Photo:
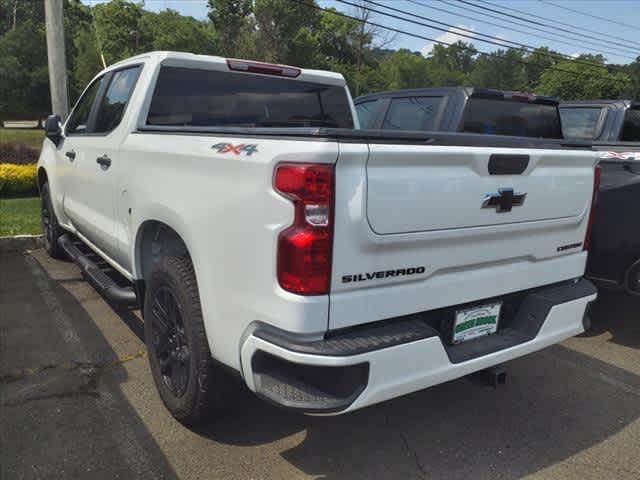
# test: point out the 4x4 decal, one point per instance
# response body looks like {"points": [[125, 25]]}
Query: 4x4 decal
{"points": [[247, 149]]}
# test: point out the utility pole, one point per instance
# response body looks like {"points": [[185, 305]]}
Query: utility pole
{"points": [[136, 35], [57, 58]]}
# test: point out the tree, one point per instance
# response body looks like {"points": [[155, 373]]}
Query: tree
{"points": [[284, 30], [80, 43], [537, 62], [451, 65], [230, 18], [503, 69], [87, 62], [367, 33], [168, 30], [14, 13], [336, 39], [405, 69], [24, 78], [117, 29], [570, 80], [633, 71]]}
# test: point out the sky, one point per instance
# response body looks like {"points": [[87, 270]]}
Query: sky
{"points": [[552, 30]]}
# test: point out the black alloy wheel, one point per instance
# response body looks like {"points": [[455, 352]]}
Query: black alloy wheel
{"points": [[170, 344]]}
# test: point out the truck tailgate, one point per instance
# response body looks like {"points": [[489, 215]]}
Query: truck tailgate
{"points": [[436, 226], [410, 190]]}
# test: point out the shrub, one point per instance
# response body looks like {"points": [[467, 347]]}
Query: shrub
{"points": [[18, 153], [18, 179]]}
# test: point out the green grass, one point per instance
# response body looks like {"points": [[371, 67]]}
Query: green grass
{"points": [[27, 136], [20, 216]]}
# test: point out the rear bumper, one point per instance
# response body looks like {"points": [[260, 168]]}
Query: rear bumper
{"points": [[383, 360]]}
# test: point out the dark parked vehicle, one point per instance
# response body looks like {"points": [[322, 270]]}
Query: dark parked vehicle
{"points": [[601, 120], [461, 109], [614, 128]]}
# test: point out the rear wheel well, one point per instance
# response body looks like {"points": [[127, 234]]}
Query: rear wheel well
{"points": [[157, 240]]}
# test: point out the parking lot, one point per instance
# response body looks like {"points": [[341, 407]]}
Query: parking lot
{"points": [[77, 401]]}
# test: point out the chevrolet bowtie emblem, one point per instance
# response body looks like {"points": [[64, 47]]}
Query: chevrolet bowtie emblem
{"points": [[504, 200]]}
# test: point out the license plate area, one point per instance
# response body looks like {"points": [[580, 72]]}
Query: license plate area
{"points": [[475, 322]]}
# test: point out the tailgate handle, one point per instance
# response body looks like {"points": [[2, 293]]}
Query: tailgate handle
{"points": [[505, 164]]}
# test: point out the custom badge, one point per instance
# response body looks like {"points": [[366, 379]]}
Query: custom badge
{"points": [[242, 148]]}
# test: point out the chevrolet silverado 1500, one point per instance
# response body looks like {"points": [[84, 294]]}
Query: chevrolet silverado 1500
{"points": [[262, 232]]}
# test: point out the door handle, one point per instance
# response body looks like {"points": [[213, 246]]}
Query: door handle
{"points": [[71, 155], [104, 162]]}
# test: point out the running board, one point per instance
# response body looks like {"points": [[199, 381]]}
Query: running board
{"points": [[125, 296]]}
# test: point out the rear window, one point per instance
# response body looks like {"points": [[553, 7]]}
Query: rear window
{"points": [[365, 112], [412, 113], [492, 116], [580, 122], [205, 98], [631, 126]]}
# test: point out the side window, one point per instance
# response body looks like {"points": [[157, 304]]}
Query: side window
{"points": [[412, 113], [580, 122], [365, 110], [115, 100], [631, 126], [78, 123]]}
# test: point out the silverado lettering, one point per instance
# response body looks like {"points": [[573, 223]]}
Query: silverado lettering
{"points": [[400, 272]]}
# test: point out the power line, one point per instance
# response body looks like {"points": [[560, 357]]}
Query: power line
{"points": [[475, 19], [561, 23], [467, 2], [457, 46], [518, 45], [465, 8], [473, 36], [634, 27], [497, 41]]}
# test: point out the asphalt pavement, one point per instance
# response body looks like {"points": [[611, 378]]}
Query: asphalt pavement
{"points": [[77, 401]]}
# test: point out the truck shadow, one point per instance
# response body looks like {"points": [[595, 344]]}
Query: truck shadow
{"points": [[64, 413], [618, 314], [550, 410]]}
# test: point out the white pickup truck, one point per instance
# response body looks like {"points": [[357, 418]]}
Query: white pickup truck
{"points": [[332, 268]]}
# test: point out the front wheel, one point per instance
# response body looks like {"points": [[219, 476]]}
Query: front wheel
{"points": [[186, 376], [50, 228]]}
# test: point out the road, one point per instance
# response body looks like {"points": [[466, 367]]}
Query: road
{"points": [[77, 401]]}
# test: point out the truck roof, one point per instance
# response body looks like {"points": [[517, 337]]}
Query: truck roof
{"points": [[193, 60], [466, 91]]}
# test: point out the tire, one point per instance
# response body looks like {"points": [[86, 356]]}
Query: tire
{"points": [[50, 227], [188, 380]]}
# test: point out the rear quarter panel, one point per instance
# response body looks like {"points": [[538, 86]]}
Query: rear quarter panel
{"points": [[226, 211]]}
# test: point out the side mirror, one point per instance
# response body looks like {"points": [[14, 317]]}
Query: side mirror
{"points": [[53, 129]]}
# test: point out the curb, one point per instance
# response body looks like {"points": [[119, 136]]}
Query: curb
{"points": [[20, 243]]}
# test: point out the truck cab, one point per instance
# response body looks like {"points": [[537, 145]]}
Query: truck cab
{"points": [[461, 109]]}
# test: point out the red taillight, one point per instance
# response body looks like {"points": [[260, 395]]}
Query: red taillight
{"points": [[304, 248], [263, 68], [592, 213]]}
